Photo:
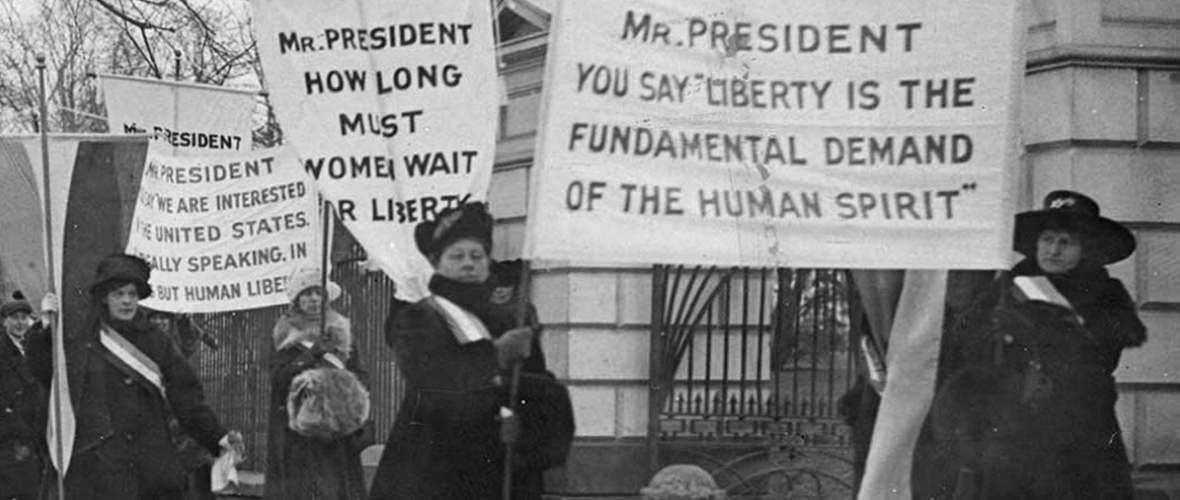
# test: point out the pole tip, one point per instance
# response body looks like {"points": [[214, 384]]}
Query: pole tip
{"points": [[176, 53], [41, 59]]}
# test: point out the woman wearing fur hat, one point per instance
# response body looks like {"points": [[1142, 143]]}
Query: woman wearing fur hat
{"points": [[318, 403], [1072, 447], [124, 376], [446, 440]]}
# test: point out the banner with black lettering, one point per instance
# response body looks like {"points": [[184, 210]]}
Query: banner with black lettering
{"points": [[788, 133], [392, 106], [182, 118], [223, 232]]}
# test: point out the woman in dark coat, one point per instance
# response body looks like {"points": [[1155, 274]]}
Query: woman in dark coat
{"points": [[454, 353], [122, 447], [301, 464], [22, 408], [1066, 439]]}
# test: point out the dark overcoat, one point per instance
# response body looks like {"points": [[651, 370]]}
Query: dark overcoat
{"points": [[1064, 440], [22, 426], [445, 442], [123, 448], [300, 467]]}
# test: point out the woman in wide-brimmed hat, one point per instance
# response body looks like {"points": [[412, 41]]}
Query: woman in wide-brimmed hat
{"points": [[318, 402], [126, 378], [1036, 365], [453, 352]]}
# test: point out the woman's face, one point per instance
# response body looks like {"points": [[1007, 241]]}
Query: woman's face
{"points": [[123, 302], [1058, 251], [310, 301], [17, 324], [464, 261]]}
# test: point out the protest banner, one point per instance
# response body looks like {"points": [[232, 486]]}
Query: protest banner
{"points": [[91, 176], [92, 181], [182, 118], [223, 232], [391, 106], [792, 133]]}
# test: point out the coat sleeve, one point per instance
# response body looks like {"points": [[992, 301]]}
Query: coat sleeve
{"points": [[187, 397], [287, 363], [431, 358], [39, 355], [1114, 316]]}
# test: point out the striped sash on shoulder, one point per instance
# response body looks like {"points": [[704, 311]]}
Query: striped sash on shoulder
{"points": [[131, 361]]}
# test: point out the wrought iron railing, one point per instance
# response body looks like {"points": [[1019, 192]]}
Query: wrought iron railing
{"points": [[748, 353]]}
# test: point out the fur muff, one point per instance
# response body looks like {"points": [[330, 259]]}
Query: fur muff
{"points": [[327, 403]]}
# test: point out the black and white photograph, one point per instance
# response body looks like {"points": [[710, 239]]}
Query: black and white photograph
{"points": [[590, 250]]}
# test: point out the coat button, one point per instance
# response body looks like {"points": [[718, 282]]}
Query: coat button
{"points": [[7, 410], [127, 381], [129, 436]]}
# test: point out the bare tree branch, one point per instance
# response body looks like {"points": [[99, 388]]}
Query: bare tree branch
{"points": [[117, 12]]}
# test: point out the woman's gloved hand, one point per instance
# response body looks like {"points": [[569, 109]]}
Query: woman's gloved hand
{"points": [[515, 345], [233, 442], [50, 303]]}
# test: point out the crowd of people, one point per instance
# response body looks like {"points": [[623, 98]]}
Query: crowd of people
{"points": [[471, 348], [144, 430]]}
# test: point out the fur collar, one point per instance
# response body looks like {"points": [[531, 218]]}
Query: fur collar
{"points": [[293, 328]]}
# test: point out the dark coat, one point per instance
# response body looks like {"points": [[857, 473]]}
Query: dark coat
{"points": [[22, 426], [123, 448], [1048, 431], [445, 440], [300, 467]]}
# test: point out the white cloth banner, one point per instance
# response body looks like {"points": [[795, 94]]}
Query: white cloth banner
{"points": [[912, 359], [223, 233], [392, 108], [182, 118], [799, 133]]}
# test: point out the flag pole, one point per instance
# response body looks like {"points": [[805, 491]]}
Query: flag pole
{"points": [[326, 221], [521, 292], [49, 266]]}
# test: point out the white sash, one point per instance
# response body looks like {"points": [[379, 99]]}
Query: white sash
{"points": [[132, 357], [466, 327], [1039, 288]]}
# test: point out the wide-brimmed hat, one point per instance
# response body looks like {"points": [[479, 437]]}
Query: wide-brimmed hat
{"points": [[470, 220], [1108, 241], [119, 269], [17, 304], [304, 278]]}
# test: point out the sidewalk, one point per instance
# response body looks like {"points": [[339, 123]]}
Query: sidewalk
{"points": [[1153, 485], [1156, 485]]}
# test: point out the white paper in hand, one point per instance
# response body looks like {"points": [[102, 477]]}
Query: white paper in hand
{"points": [[225, 470]]}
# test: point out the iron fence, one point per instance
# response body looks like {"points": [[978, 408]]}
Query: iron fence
{"points": [[754, 353]]}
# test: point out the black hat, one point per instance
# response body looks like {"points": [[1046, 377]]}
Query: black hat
{"points": [[120, 269], [470, 220], [1073, 211], [507, 272], [17, 304]]}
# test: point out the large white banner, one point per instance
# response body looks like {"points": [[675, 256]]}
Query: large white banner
{"points": [[391, 106], [840, 133], [223, 233], [182, 118]]}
